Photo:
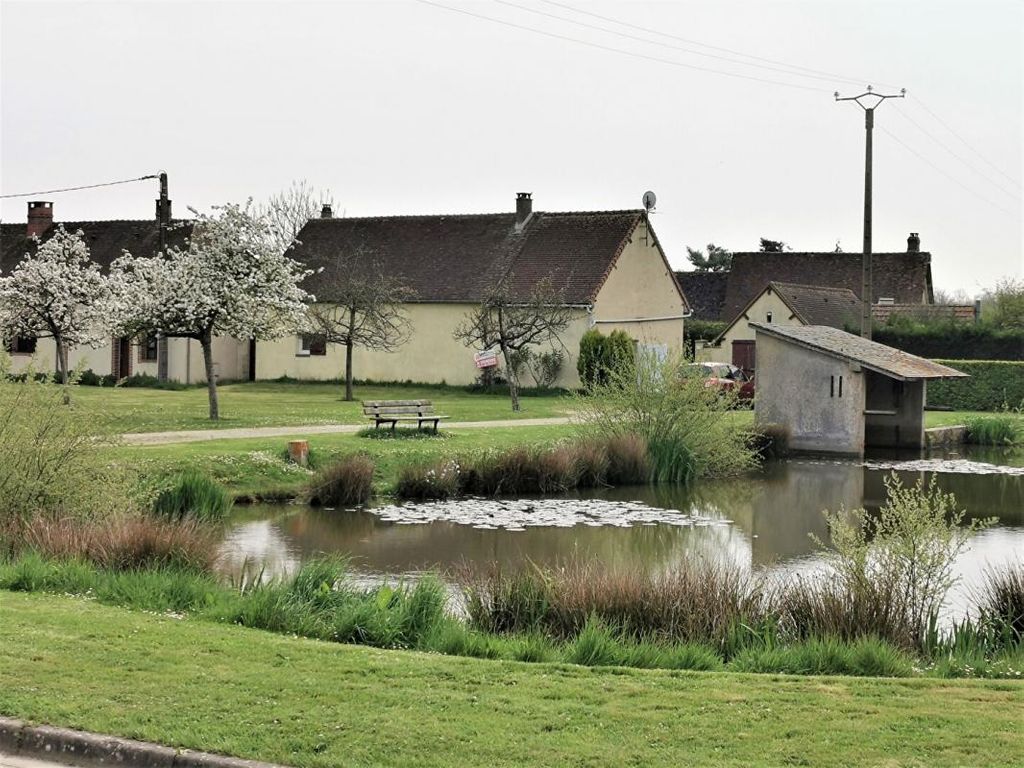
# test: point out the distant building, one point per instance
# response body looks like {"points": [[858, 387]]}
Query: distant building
{"points": [[177, 359], [705, 292], [831, 391], [608, 265]]}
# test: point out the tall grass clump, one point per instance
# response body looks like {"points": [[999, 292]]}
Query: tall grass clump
{"points": [[996, 429], [687, 427], [437, 480], [890, 572], [1000, 604], [191, 494], [347, 482]]}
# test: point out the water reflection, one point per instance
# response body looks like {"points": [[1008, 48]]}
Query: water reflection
{"points": [[773, 516]]}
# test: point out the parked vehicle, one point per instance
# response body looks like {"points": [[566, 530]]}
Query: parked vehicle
{"points": [[725, 377]]}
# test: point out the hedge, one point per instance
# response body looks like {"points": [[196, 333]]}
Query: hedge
{"points": [[954, 341], [993, 385]]}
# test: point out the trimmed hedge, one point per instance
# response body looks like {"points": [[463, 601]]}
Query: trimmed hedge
{"points": [[993, 385], [954, 341]]}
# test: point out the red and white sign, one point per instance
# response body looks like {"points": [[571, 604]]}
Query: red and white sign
{"points": [[486, 359]]}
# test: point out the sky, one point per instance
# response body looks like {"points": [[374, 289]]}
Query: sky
{"points": [[408, 106]]}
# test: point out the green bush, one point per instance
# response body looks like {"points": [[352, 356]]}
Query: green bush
{"points": [[953, 341], [997, 429], [994, 384], [602, 356], [192, 494]]}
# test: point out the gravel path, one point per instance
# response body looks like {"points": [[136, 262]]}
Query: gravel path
{"points": [[201, 435]]}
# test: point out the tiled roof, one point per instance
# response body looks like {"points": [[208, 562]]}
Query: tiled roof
{"points": [[870, 354], [904, 277], [819, 305], [705, 293], [106, 239], [455, 258], [959, 313]]}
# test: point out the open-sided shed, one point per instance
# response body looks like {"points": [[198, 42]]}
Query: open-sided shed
{"points": [[834, 392]]}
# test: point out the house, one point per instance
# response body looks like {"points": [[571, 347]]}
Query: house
{"points": [[177, 359], [608, 266], [705, 292], [781, 304], [834, 392]]}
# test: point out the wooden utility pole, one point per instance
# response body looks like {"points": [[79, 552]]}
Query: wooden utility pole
{"points": [[867, 284]]}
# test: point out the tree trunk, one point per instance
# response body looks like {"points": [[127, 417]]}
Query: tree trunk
{"points": [[348, 372], [62, 359], [206, 341], [513, 383]]}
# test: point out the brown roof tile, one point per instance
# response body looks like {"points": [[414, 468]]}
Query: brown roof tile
{"points": [[705, 292], [959, 313], [455, 258], [904, 277], [819, 305]]}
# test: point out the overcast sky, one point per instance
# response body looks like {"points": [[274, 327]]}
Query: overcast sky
{"points": [[406, 107]]}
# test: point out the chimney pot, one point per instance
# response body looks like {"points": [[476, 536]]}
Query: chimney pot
{"points": [[913, 243], [326, 212], [524, 208], [40, 217]]}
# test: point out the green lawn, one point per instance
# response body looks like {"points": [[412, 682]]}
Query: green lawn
{"points": [[69, 662], [257, 467], [266, 404]]}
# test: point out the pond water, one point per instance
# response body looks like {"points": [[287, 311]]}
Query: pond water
{"points": [[763, 520]]}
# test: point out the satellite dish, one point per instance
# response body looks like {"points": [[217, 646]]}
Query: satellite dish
{"points": [[650, 200]]}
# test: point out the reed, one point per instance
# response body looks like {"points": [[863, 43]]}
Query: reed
{"points": [[347, 482], [193, 495], [996, 429]]}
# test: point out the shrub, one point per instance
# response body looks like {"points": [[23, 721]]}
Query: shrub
{"points": [[151, 382], [545, 367], [347, 482], [687, 427], [603, 356], [954, 341], [52, 463], [192, 494], [891, 571], [1002, 429], [88, 378], [994, 384]]}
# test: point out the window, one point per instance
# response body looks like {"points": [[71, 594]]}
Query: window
{"points": [[22, 345], [314, 344], [148, 349], [769, 316]]}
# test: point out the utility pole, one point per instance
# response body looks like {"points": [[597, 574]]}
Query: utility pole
{"points": [[869, 123], [163, 221]]}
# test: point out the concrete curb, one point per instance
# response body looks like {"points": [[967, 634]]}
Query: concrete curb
{"points": [[88, 750]]}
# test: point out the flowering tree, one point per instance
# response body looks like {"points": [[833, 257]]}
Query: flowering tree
{"points": [[57, 293], [231, 280]]}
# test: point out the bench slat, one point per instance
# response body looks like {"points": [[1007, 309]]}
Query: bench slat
{"points": [[391, 403]]}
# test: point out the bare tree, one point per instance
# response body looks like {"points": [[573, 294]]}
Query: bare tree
{"points": [[360, 306], [288, 211], [511, 322]]}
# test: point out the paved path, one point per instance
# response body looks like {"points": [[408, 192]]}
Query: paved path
{"points": [[7, 761], [201, 435]]}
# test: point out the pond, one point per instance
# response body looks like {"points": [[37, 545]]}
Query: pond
{"points": [[766, 519]]}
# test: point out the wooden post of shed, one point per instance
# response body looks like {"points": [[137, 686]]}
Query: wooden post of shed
{"points": [[298, 452]]}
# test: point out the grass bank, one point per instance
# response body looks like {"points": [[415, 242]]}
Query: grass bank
{"points": [[306, 703], [273, 404]]}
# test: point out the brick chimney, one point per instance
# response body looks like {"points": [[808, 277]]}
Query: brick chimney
{"points": [[326, 212], [524, 208], [40, 217], [914, 243]]}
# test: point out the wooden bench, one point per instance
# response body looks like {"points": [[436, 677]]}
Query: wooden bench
{"points": [[393, 411]]}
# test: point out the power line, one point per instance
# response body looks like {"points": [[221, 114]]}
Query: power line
{"points": [[647, 40], [621, 51], [76, 189], [955, 180], [958, 156], [967, 144], [832, 75]]}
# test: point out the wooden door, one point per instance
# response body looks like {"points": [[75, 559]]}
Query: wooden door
{"points": [[743, 355]]}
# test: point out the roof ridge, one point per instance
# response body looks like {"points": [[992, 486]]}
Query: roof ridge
{"points": [[830, 288], [410, 216]]}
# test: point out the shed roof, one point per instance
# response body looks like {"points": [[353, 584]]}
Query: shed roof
{"points": [[892, 362]]}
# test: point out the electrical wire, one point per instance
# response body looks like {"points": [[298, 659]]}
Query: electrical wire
{"points": [[832, 75], [955, 180], [633, 54], [958, 156], [75, 189], [647, 40], [948, 127]]}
